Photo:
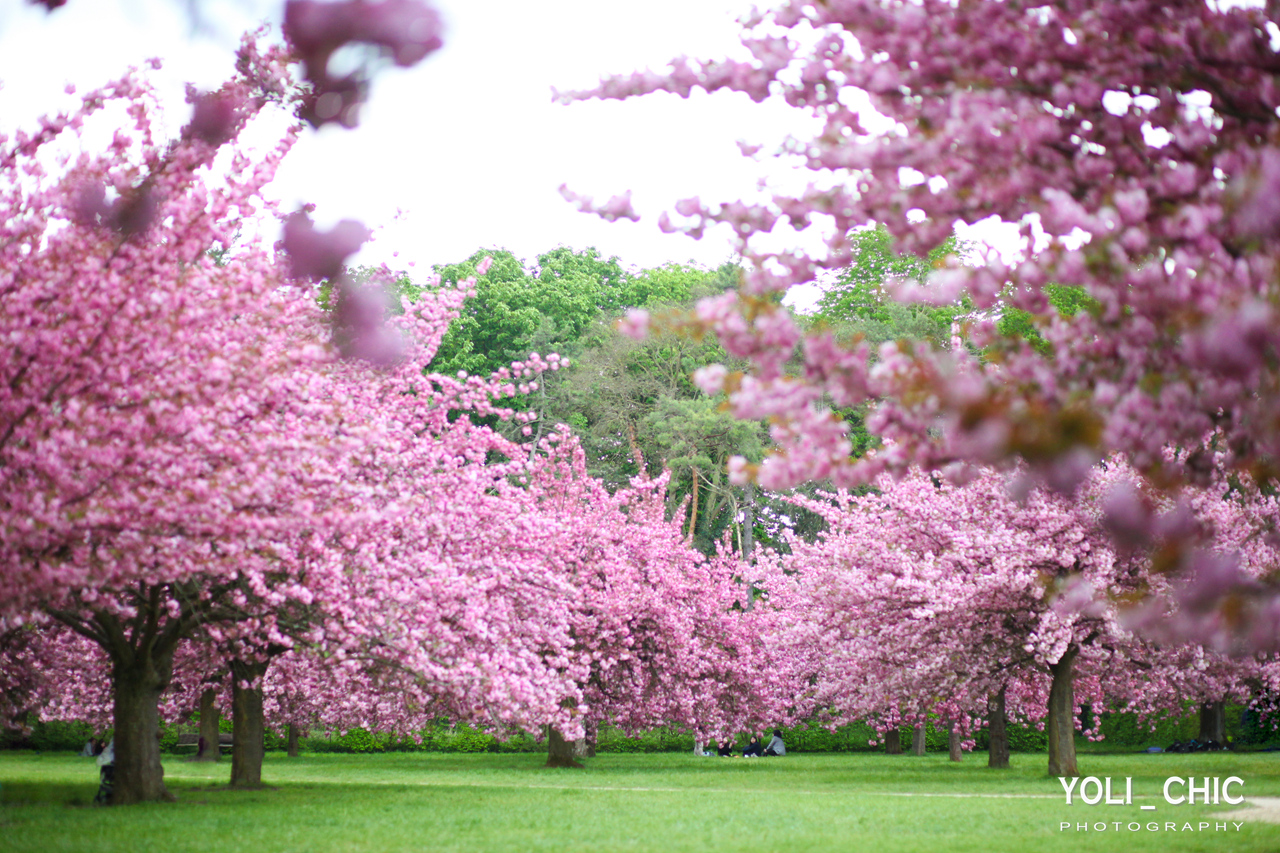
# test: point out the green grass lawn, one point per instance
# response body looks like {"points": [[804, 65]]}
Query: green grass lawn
{"points": [[665, 802]]}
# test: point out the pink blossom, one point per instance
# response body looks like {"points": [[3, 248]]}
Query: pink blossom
{"points": [[635, 323], [710, 379], [319, 254]]}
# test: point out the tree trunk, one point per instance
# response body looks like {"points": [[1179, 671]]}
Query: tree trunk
{"points": [[953, 744], [589, 742], [138, 683], [893, 742], [247, 724], [209, 731], [561, 752], [749, 522], [693, 505], [1213, 722], [917, 740], [998, 750], [293, 741], [1061, 723]]}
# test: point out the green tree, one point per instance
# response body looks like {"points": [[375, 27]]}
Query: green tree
{"points": [[1017, 324], [860, 302], [860, 306], [633, 404]]}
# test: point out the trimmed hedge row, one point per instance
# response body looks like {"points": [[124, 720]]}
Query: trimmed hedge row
{"points": [[1120, 730]]}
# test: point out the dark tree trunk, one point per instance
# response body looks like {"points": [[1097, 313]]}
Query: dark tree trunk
{"points": [[293, 741], [954, 752], [589, 742], [998, 750], [209, 731], [561, 752], [247, 724], [893, 742], [917, 740], [138, 683], [1213, 722], [693, 506], [1061, 723]]}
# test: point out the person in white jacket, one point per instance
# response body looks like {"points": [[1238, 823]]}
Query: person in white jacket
{"points": [[106, 774]]}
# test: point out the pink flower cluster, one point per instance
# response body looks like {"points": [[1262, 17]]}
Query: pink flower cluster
{"points": [[1147, 162], [191, 478], [407, 30], [923, 597]]}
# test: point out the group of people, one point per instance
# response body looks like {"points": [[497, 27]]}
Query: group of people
{"points": [[95, 747], [753, 749]]}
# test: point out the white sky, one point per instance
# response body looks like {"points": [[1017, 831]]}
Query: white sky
{"points": [[468, 145], [466, 150]]}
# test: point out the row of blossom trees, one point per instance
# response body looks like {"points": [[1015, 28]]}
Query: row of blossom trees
{"points": [[203, 470], [192, 480], [924, 596], [1133, 145]]}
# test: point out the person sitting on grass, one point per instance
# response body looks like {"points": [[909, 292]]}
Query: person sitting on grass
{"points": [[776, 746], [753, 749], [726, 749]]}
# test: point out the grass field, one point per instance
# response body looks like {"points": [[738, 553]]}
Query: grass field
{"points": [[665, 802]]}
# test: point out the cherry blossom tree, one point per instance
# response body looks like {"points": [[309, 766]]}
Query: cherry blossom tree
{"points": [[160, 417], [403, 31], [926, 596], [1132, 145], [179, 450], [660, 633]]}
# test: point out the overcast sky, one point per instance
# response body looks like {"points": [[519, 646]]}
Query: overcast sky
{"points": [[468, 146]]}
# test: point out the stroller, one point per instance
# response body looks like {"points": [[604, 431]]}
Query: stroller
{"points": [[106, 775]]}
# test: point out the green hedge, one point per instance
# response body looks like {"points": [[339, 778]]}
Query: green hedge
{"points": [[439, 738], [654, 740], [53, 736], [1243, 728], [1121, 730], [855, 737]]}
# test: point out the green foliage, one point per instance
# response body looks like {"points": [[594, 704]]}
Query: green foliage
{"points": [[859, 308], [1127, 730], [1247, 728], [442, 737], [462, 738], [696, 438], [362, 740], [854, 737], [169, 736], [613, 740], [1017, 324], [518, 310], [633, 402], [1244, 728], [859, 303], [1022, 738], [58, 736]]}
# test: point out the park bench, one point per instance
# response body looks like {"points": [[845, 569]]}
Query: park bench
{"points": [[190, 740]]}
